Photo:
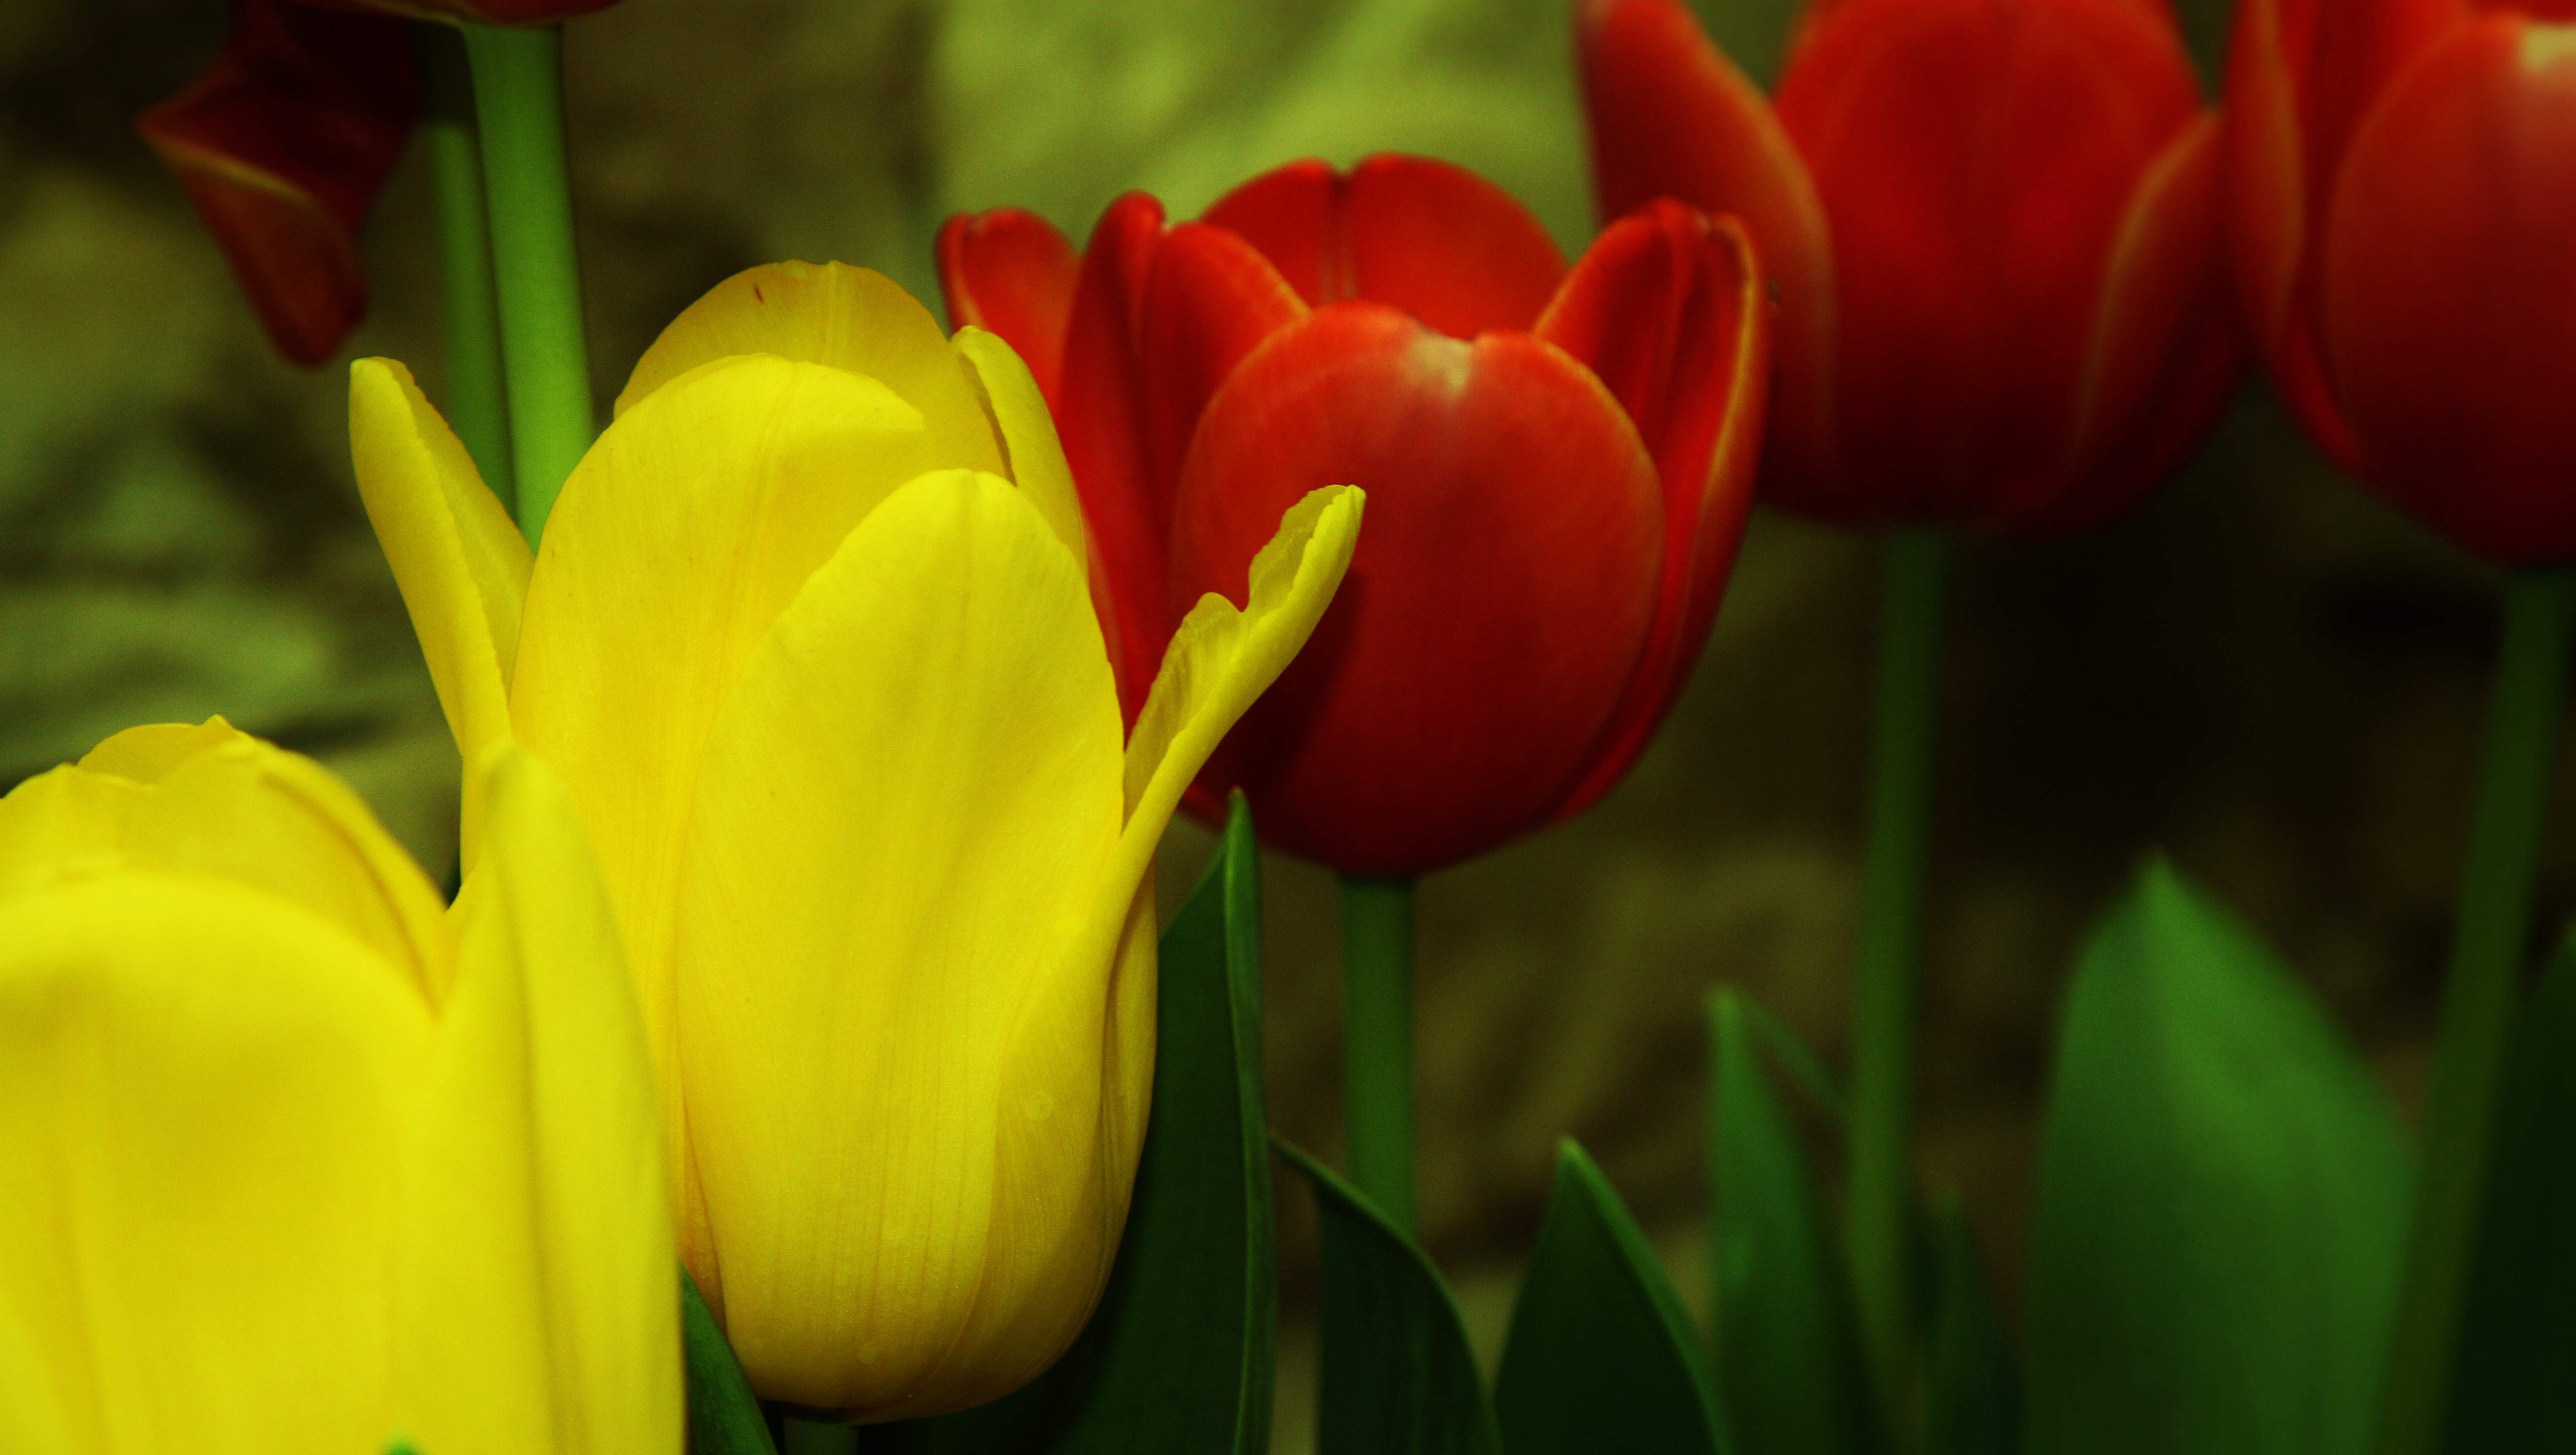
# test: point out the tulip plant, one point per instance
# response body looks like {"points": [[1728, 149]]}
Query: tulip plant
{"points": [[802, 1051]]}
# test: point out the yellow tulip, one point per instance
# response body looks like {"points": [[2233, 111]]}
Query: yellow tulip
{"points": [[809, 639], [295, 1159]]}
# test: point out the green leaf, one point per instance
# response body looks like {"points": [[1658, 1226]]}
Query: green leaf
{"points": [[2222, 1197], [1788, 1348], [1601, 1355], [2514, 1383], [1975, 1393], [1397, 1375], [724, 1415], [1181, 1353]]}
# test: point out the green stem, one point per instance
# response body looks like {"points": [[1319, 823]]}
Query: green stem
{"points": [[1377, 1040], [819, 1437], [2478, 1002], [1915, 575], [476, 405], [518, 91]]}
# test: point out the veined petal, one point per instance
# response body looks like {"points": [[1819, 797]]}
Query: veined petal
{"points": [[217, 802], [678, 540], [202, 1091], [1011, 272], [533, 1281], [1032, 456], [459, 559], [849, 318], [907, 806]]}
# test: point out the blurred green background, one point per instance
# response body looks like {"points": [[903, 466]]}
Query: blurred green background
{"points": [[2262, 672]]}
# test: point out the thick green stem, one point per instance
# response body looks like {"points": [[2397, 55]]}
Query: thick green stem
{"points": [[476, 404], [1914, 583], [1377, 1040], [818, 1437], [2487, 940], [518, 93]]}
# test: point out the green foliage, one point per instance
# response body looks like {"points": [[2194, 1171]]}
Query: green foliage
{"points": [[1788, 1347], [1397, 1376], [2513, 1386], [1974, 1390], [2222, 1197], [1179, 1357], [724, 1416], [1601, 1355]]}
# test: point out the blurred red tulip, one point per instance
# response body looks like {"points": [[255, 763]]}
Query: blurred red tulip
{"points": [[1994, 228], [2402, 179], [282, 145], [1558, 466]]}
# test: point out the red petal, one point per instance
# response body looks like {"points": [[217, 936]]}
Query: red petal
{"points": [[2165, 352], [1976, 158], [1209, 301], [1435, 240], [281, 145], [2449, 304], [1100, 415], [1493, 614], [1011, 272], [1667, 310], [1671, 116]]}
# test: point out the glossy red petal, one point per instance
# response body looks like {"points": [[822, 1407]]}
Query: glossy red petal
{"points": [[1209, 300], [1667, 310], [1435, 240], [2449, 299], [1671, 116], [2165, 350], [1976, 158], [1493, 614], [282, 145], [1010, 272], [1100, 416]]}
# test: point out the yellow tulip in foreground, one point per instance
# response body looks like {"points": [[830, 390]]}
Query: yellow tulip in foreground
{"points": [[810, 640], [295, 1161]]}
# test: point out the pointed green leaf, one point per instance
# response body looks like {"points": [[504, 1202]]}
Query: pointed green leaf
{"points": [[1179, 1358], [2222, 1196], [1601, 1355], [1788, 1349], [724, 1415], [1397, 1375], [2514, 1385], [1975, 1392]]}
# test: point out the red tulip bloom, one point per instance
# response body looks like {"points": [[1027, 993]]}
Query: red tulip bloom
{"points": [[2402, 178], [1558, 467], [1995, 231]]}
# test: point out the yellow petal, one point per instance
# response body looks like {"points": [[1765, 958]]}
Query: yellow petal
{"points": [[202, 1090], [681, 536], [534, 1290], [1032, 453], [218, 802], [907, 804], [849, 318], [461, 563]]}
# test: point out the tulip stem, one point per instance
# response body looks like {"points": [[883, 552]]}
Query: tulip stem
{"points": [[476, 404], [518, 93], [1377, 1040], [1914, 580], [2488, 937], [820, 1437]]}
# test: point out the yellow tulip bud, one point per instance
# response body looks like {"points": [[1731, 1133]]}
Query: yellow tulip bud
{"points": [[811, 641], [299, 1161]]}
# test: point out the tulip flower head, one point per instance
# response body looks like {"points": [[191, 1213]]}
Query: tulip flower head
{"points": [[2401, 222], [810, 641], [1559, 464], [298, 1160], [1994, 227]]}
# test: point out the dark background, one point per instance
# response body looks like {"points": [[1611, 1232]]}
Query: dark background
{"points": [[2264, 674]]}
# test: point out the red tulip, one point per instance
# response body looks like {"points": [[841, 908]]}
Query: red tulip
{"points": [[1558, 467], [282, 145], [2402, 179], [1994, 227]]}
